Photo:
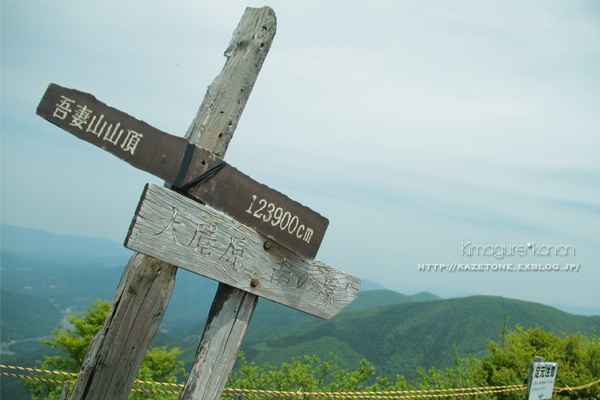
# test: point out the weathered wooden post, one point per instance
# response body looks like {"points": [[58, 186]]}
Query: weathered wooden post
{"points": [[189, 235], [269, 252], [115, 354]]}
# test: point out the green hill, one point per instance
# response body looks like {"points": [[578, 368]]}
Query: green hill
{"points": [[269, 315], [398, 338], [25, 316], [395, 338], [378, 298]]}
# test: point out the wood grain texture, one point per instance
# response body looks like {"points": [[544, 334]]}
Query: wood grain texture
{"points": [[225, 328], [174, 159], [255, 32], [116, 352], [189, 235], [101, 357], [227, 96]]}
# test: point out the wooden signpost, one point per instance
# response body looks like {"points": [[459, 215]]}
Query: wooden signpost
{"points": [[178, 230], [179, 162], [266, 250]]}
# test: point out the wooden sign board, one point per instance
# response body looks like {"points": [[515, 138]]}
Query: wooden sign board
{"points": [[178, 230], [178, 162]]}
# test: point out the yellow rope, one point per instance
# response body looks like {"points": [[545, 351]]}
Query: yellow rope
{"points": [[45, 371], [38, 370], [568, 389], [31, 378], [416, 394], [263, 393], [362, 395]]}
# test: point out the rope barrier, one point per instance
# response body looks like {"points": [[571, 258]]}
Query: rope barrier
{"points": [[408, 394], [568, 389], [45, 371], [31, 378], [362, 395]]}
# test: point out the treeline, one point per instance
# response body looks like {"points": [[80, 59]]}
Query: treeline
{"points": [[506, 363]]}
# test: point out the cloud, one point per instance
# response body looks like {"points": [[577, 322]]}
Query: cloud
{"points": [[412, 126]]}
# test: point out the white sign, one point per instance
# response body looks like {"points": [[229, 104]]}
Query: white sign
{"points": [[542, 380]]}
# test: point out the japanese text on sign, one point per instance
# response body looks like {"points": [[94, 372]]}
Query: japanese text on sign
{"points": [[204, 239], [80, 116], [542, 380]]}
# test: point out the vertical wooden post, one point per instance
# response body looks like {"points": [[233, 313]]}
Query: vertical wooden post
{"points": [[225, 328], [65, 391], [232, 308], [116, 352]]}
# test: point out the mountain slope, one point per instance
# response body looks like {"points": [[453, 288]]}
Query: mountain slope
{"points": [[378, 298], [401, 337], [269, 315], [26, 316], [76, 285]]}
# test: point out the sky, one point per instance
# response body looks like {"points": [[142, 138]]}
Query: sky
{"points": [[420, 129]]}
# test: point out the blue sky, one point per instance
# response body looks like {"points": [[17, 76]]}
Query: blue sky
{"points": [[415, 127]]}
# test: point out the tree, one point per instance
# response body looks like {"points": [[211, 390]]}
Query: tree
{"points": [[507, 363], [159, 365], [577, 355], [307, 375]]}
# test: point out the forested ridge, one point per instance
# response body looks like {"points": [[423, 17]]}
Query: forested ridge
{"points": [[394, 332]]}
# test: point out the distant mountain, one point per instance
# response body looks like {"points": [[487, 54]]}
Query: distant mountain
{"points": [[398, 338], [72, 271], [38, 245], [191, 300], [67, 286], [26, 316], [395, 338], [395, 332], [367, 284], [74, 287], [377, 298], [577, 310], [269, 315], [451, 293]]}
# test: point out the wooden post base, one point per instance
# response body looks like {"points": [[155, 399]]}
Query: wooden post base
{"points": [[116, 352], [226, 326]]}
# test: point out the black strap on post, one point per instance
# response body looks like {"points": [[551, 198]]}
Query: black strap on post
{"points": [[188, 156], [211, 172]]}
